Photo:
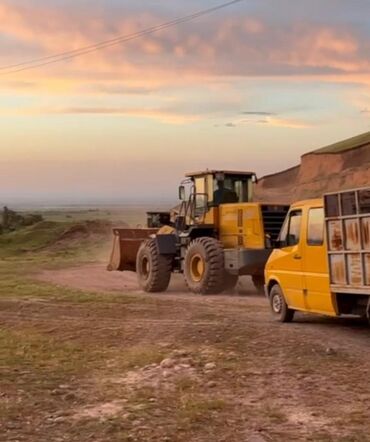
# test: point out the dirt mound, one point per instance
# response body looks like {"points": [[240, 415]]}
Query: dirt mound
{"points": [[341, 166], [85, 229], [96, 231]]}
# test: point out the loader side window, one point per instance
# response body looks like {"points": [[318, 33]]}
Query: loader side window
{"points": [[315, 232], [291, 231]]}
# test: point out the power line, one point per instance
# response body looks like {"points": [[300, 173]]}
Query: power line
{"points": [[67, 55]]}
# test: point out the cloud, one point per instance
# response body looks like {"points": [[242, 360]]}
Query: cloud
{"points": [[166, 116], [216, 47], [289, 123], [118, 89], [258, 113]]}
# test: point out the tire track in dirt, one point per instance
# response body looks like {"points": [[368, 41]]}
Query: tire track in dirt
{"points": [[348, 334]]}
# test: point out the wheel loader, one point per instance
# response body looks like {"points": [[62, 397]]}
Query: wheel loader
{"points": [[216, 235]]}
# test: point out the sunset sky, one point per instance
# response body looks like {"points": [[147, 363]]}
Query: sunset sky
{"points": [[250, 87]]}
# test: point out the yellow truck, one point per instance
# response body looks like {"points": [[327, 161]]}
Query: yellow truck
{"points": [[322, 260]]}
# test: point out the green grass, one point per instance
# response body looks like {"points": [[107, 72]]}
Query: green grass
{"points": [[31, 238], [26, 351], [195, 409], [131, 215], [345, 145]]}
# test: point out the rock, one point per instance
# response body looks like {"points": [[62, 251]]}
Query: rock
{"points": [[70, 397], [185, 366], [167, 363], [165, 345], [210, 366], [150, 367], [188, 361], [211, 384], [256, 438], [57, 392], [166, 374], [180, 353], [330, 351]]}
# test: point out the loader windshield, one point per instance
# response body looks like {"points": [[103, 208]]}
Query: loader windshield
{"points": [[224, 188], [232, 189]]}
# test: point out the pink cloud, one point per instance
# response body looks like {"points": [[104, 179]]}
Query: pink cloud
{"points": [[218, 48]]}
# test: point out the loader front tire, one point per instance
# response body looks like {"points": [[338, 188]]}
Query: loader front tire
{"points": [[204, 266], [153, 269]]}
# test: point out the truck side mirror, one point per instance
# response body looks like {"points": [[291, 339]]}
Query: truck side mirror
{"points": [[182, 195]]}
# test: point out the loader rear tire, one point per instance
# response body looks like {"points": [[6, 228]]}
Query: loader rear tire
{"points": [[153, 269], [204, 266]]}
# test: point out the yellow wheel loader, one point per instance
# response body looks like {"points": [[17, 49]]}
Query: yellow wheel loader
{"points": [[217, 234]]}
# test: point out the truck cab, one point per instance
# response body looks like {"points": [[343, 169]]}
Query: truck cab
{"points": [[322, 258]]}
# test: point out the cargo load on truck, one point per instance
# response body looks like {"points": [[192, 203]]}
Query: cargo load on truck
{"points": [[347, 222]]}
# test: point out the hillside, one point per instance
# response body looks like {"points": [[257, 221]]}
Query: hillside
{"points": [[342, 165]]}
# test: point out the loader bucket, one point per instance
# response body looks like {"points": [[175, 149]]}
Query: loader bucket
{"points": [[126, 244]]}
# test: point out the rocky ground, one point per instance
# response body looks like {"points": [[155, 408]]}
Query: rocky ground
{"points": [[88, 357]]}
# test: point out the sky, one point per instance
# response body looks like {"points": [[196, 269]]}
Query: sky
{"points": [[252, 87]]}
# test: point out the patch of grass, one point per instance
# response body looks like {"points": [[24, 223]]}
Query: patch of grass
{"points": [[132, 215], [195, 410], [345, 145], [185, 384], [30, 238], [140, 356], [274, 414], [15, 286], [28, 352]]}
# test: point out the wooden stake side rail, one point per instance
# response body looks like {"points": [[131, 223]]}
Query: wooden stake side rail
{"points": [[347, 223]]}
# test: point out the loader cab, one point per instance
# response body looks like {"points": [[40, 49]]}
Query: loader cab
{"points": [[223, 187], [211, 188]]}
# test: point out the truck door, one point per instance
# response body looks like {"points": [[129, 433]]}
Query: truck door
{"points": [[290, 260], [315, 265]]}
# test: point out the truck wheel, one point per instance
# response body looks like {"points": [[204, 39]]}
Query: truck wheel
{"points": [[259, 283], [279, 306], [230, 282], [153, 270], [204, 266]]}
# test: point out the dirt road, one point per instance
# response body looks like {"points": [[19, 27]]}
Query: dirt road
{"points": [[126, 366], [333, 332]]}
